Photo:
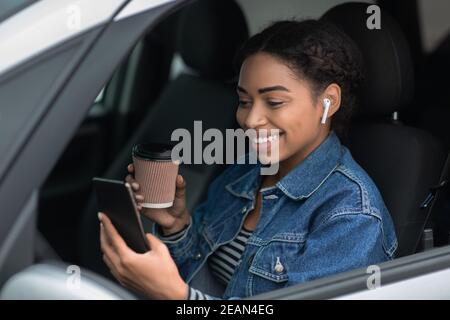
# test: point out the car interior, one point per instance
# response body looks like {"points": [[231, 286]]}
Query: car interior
{"points": [[182, 71]]}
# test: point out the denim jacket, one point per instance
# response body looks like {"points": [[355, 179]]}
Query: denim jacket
{"points": [[324, 217]]}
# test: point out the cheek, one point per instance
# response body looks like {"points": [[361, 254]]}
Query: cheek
{"points": [[300, 124], [303, 118], [293, 120]]}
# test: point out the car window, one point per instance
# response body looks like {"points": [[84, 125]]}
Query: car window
{"points": [[434, 20], [258, 16], [10, 7]]}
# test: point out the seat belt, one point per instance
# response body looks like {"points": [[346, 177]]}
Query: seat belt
{"points": [[434, 202]]}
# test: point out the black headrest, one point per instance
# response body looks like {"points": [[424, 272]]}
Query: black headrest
{"points": [[389, 84], [209, 34]]}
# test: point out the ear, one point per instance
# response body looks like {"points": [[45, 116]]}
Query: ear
{"points": [[332, 92]]}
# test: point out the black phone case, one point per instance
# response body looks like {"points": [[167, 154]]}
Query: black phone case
{"points": [[117, 202]]}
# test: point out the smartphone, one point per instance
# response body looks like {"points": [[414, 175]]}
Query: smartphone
{"points": [[115, 199]]}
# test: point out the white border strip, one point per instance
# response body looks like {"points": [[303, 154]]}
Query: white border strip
{"points": [[138, 6], [47, 23]]}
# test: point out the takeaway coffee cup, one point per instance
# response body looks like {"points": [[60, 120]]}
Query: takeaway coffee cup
{"points": [[156, 174]]}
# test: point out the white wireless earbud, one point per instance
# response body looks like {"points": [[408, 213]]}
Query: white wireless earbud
{"points": [[326, 107]]}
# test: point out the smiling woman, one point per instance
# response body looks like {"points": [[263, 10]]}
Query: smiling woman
{"points": [[316, 61], [318, 215], [288, 71]]}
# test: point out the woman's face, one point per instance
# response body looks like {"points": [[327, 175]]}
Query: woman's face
{"points": [[272, 97]]}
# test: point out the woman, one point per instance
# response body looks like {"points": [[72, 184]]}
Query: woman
{"points": [[320, 214]]}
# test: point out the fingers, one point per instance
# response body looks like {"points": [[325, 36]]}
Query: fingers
{"points": [[154, 242], [106, 248], [111, 259], [130, 178], [181, 187], [113, 237], [159, 215], [112, 269], [108, 262], [134, 184], [130, 168], [135, 187], [139, 199], [181, 183]]}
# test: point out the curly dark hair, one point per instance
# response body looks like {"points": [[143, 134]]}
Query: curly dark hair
{"points": [[318, 52]]}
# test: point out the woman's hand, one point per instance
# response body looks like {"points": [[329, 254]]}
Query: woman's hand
{"points": [[171, 219], [153, 273]]}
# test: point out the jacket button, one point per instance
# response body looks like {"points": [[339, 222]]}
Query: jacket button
{"points": [[278, 266]]}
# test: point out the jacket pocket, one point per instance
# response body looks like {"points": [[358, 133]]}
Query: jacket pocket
{"points": [[274, 261]]}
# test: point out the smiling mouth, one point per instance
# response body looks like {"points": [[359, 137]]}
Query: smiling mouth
{"points": [[271, 138]]}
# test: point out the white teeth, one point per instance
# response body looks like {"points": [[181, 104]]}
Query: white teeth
{"points": [[265, 139]]}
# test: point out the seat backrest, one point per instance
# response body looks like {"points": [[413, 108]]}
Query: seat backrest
{"points": [[404, 162], [209, 33]]}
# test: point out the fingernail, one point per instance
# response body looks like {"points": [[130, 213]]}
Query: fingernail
{"points": [[99, 216], [135, 185]]}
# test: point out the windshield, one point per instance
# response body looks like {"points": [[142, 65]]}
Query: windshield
{"points": [[10, 7]]}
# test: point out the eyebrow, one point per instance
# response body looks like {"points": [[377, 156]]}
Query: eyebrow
{"points": [[264, 90]]}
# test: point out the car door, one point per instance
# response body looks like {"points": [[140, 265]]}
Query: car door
{"points": [[424, 275], [56, 57]]}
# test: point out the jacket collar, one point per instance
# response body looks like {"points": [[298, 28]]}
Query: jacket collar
{"points": [[302, 181]]}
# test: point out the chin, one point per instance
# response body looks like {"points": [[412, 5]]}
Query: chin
{"points": [[271, 158]]}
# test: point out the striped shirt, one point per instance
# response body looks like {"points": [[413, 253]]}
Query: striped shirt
{"points": [[225, 259], [222, 262]]}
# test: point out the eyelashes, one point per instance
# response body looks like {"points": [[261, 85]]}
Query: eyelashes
{"points": [[243, 104], [274, 103], [246, 104]]}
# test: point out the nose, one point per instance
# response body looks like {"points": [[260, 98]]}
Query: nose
{"points": [[256, 117]]}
